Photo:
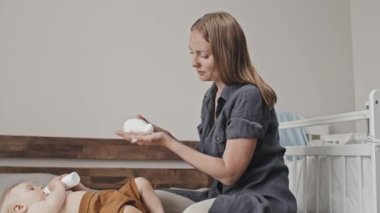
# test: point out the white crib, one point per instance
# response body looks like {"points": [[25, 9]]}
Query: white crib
{"points": [[338, 178]]}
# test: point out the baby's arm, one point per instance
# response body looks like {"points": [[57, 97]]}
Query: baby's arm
{"points": [[81, 187], [54, 201]]}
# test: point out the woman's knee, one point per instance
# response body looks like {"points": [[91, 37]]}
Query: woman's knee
{"points": [[173, 203]]}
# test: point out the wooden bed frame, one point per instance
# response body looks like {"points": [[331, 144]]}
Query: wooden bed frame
{"points": [[101, 163]]}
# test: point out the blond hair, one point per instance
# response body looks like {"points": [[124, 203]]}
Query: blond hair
{"points": [[229, 49]]}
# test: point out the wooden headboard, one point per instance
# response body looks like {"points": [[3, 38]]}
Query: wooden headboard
{"points": [[101, 163]]}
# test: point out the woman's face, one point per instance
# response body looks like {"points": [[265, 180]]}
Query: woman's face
{"points": [[202, 58]]}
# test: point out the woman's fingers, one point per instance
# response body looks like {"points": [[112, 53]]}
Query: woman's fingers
{"points": [[145, 139], [126, 135], [131, 136], [156, 128], [139, 116], [120, 133]]}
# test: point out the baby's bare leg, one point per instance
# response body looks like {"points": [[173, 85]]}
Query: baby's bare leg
{"points": [[148, 195], [131, 209]]}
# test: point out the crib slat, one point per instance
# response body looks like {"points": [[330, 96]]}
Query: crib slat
{"points": [[344, 184], [294, 173], [360, 162], [375, 163], [318, 176], [304, 182], [339, 173], [330, 184]]}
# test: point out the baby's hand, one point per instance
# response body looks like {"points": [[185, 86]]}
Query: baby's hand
{"points": [[56, 183]]}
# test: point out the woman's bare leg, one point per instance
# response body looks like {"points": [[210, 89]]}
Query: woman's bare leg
{"points": [[131, 209], [148, 195]]}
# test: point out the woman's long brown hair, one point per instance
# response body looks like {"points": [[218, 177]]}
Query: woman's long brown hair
{"points": [[229, 48]]}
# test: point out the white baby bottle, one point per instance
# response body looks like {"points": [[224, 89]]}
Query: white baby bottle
{"points": [[138, 126], [69, 181]]}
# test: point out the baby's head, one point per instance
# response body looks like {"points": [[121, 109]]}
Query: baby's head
{"points": [[19, 197]]}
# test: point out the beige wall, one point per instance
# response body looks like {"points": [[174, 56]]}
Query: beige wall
{"points": [[80, 68], [366, 46]]}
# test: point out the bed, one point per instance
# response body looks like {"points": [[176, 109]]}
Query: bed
{"points": [[324, 178], [101, 163], [335, 177]]}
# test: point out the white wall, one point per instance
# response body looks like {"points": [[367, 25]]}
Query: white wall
{"points": [[79, 68], [366, 46]]}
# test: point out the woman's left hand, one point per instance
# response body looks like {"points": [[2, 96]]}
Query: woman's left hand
{"points": [[156, 138]]}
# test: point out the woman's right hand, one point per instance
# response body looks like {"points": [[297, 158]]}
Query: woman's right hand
{"points": [[159, 136]]}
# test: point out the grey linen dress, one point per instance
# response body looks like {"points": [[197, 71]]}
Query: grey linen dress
{"points": [[242, 113]]}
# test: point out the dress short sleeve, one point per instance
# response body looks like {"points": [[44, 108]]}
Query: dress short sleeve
{"points": [[247, 115]]}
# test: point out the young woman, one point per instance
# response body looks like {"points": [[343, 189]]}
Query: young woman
{"points": [[239, 143]]}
